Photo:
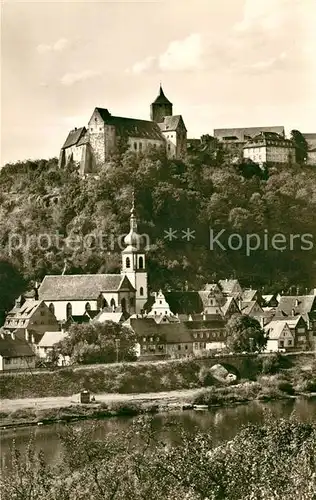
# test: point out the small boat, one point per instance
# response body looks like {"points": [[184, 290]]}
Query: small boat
{"points": [[200, 407]]}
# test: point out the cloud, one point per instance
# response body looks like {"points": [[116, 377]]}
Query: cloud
{"points": [[145, 65], [180, 55], [58, 46], [71, 78], [264, 14]]}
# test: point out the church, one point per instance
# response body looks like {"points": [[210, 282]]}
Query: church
{"points": [[90, 147], [73, 295]]}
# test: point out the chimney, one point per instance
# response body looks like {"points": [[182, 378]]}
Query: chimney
{"points": [[36, 287], [19, 301]]}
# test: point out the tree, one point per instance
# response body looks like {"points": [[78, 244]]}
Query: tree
{"points": [[11, 286], [301, 146], [244, 333], [98, 343]]}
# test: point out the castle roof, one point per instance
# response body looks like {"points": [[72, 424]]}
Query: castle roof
{"points": [[81, 286], [311, 140], [131, 127], [268, 139], [171, 123], [243, 134], [74, 136], [161, 98]]}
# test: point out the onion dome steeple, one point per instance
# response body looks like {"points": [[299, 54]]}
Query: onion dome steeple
{"points": [[161, 107], [133, 238]]}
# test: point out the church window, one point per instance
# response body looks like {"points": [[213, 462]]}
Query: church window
{"points": [[112, 303], [160, 301], [135, 145], [128, 262], [51, 308], [123, 304], [68, 310], [141, 291], [88, 306], [104, 303], [131, 301], [169, 147], [141, 263], [155, 145], [140, 146]]}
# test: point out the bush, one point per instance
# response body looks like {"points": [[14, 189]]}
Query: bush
{"points": [[286, 387], [271, 364], [205, 377]]}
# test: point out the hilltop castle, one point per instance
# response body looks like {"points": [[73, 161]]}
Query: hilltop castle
{"points": [[90, 147]]}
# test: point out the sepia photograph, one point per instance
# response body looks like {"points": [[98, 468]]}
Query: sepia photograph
{"points": [[158, 250]]}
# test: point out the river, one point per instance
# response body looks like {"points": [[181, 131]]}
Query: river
{"points": [[222, 423]]}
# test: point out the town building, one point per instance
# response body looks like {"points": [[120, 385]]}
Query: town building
{"points": [[279, 336], [30, 319], [292, 306], [311, 153], [231, 288], [299, 332], [177, 339], [15, 353], [46, 346], [232, 140], [268, 148], [91, 147], [73, 295]]}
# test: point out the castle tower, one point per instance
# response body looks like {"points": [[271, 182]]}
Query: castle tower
{"points": [[134, 263], [160, 108]]}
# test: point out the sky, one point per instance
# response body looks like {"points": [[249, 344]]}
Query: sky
{"points": [[223, 63]]}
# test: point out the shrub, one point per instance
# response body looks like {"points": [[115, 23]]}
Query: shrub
{"points": [[271, 364], [205, 376], [286, 387]]}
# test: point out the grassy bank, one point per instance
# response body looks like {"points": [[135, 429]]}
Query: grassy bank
{"points": [[123, 378]]}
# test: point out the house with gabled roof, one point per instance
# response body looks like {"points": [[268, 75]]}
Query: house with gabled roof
{"points": [[279, 336], [299, 331], [47, 343], [251, 308], [298, 305], [30, 319], [91, 147], [15, 353], [230, 288]]}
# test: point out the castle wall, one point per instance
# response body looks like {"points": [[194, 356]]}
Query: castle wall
{"points": [[74, 153], [139, 145]]}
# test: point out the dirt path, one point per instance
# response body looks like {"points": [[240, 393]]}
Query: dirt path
{"points": [[9, 405]]}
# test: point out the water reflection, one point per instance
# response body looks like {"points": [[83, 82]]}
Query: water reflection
{"points": [[221, 423]]}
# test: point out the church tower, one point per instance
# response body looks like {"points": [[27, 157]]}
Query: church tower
{"points": [[134, 263], [160, 108]]}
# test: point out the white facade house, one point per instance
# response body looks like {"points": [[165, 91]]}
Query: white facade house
{"points": [[269, 147], [279, 336], [160, 307], [46, 345]]}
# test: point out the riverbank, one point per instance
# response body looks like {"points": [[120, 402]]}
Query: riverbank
{"points": [[46, 411], [149, 388]]}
